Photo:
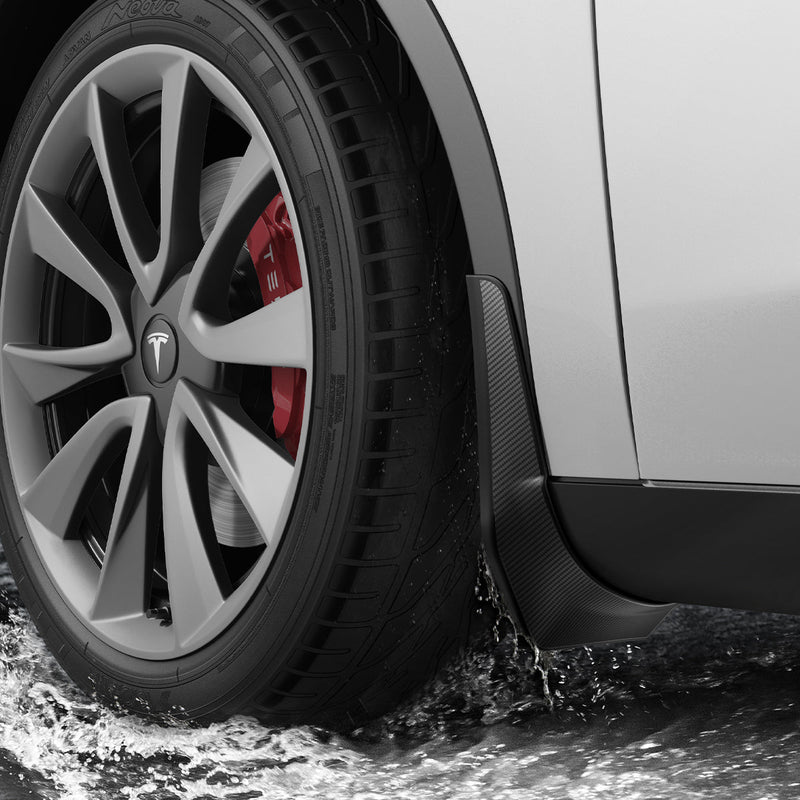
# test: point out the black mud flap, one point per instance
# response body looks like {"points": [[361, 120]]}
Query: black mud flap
{"points": [[556, 601]]}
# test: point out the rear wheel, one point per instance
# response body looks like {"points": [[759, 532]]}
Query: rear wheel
{"points": [[238, 457]]}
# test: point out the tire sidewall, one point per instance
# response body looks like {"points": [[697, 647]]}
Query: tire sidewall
{"points": [[272, 625]]}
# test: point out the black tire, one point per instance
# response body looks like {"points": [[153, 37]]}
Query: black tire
{"points": [[373, 584]]}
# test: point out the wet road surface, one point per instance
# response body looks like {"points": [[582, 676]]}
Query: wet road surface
{"points": [[707, 707]]}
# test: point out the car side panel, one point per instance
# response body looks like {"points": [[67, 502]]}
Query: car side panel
{"points": [[701, 108], [532, 66]]}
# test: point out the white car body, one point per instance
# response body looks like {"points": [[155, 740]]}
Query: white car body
{"points": [[691, 233]]}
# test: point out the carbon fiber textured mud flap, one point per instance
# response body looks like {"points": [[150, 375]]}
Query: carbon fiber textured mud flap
{"points": [[556, 601]]}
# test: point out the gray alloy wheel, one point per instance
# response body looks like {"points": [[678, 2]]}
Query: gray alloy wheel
{"points": [[174, 345], [237, 461]]}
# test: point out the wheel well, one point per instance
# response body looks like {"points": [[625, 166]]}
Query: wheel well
{"points": [[449, 91], [24, 22]]}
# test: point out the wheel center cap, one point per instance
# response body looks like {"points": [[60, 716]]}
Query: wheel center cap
{"points": [[159, 351]]}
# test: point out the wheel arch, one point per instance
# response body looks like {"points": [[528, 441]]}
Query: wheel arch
{"points": [[456, 109]]}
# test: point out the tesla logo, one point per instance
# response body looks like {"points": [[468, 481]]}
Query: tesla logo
{"points": [[155, 340]]}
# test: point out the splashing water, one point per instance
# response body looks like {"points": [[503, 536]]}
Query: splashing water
{"points": [[705, 706]]}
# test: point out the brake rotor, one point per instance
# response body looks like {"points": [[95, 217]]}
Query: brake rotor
{"points": [[273, 254]]}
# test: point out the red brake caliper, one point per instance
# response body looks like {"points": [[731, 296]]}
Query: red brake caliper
{"points": [[272, 248]]}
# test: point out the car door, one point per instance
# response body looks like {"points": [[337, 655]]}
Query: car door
{"points": [[701, 115]]}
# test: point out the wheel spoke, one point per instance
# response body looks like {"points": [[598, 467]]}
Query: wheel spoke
{"points": [[255, 170], [273, 336], [50, 372], [59, 237], [185, 106], [259, 471], [137, 234], [249, 195], [128, 562], [58, 497], [196, 576]]}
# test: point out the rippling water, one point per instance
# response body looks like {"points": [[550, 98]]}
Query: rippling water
{"points": [[705, 708]]}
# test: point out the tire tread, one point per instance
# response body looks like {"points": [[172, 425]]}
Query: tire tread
{"points": [[390, 153]]}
